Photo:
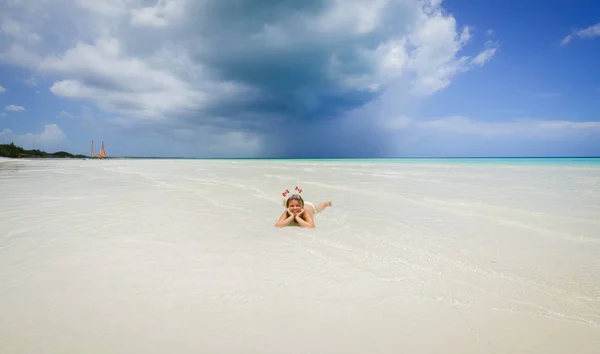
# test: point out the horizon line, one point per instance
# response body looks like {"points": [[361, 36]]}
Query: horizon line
{"points": [[354, 158]]}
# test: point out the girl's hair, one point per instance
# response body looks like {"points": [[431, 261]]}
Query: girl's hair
{"points": [[292, 197]]}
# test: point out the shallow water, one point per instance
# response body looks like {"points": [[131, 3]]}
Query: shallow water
{"points": [[151, 256]]}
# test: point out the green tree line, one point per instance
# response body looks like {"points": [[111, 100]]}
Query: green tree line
{"points": [[12, 150]]}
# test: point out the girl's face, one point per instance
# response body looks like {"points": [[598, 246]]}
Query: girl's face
{"points": [[295, 206]]}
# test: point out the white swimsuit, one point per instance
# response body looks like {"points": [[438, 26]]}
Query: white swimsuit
{"points": [[312, 206]]}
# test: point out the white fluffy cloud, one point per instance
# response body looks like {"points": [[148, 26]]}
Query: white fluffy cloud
{"points": [[66, 115], [14, 108], [2, 89], [589, 32], [485, 56], [50, 137]]}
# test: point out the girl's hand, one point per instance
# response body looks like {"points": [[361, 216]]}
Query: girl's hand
{"points": [[300, 213], [289, 213]]}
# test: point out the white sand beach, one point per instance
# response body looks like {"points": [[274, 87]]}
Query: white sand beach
{"points": [[181, 256]]}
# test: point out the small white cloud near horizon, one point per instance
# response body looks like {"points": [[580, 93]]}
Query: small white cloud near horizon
{"points": [[13, 108], [49, 138], [2, 89], [589, 32], [67, 115], [511, 128]]}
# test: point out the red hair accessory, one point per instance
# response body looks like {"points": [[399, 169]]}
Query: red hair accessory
{"points": [[287, 191]]}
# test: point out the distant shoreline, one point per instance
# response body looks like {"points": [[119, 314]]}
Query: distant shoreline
{"points": [[13, 151]]}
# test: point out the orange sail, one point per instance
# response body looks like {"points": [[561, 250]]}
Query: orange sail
{"points": [[102, 153]]}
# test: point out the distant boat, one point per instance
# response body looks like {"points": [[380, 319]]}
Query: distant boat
{"points": [[101, 154]]}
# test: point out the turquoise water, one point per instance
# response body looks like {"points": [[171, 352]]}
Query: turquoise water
{"points": [[553, 161], [561, 161]]}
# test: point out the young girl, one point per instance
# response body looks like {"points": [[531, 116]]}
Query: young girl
{"points": [[296, 214]]}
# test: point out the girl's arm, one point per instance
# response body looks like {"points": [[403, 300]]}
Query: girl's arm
{"points": [[284, 219], [305, 219]]}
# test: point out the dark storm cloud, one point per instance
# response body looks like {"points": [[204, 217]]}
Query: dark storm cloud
{"points": [[292, 75], [295, 85], [301, 104]]}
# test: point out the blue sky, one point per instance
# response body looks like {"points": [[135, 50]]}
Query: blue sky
{"points": [[318, 78]]}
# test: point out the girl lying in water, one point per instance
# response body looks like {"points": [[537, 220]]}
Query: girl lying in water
{"points": [[299, 213]]}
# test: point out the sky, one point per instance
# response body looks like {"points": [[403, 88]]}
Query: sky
{"points": [[302, 78]]}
